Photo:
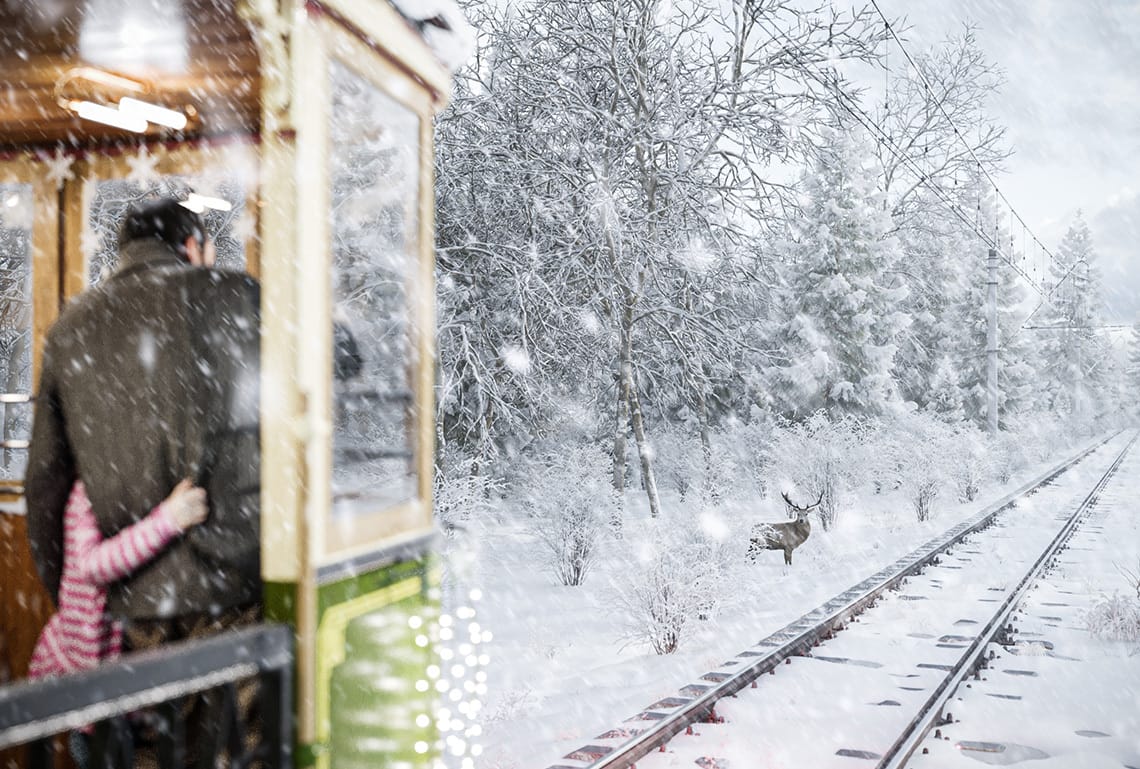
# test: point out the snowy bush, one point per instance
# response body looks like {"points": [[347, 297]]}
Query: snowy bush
{"points": [[818, 458], [461, 493], [1007, 456], [915, 447], [1115, 618], [968, 461], [657, 602], [675, 579], [571, 501], [747, 444], [1043, 438], [681, 464], [678, 459]]}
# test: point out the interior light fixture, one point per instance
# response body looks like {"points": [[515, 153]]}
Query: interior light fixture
{"points": [[199, 203], [153, 113], [89, 110], [104, 78]]}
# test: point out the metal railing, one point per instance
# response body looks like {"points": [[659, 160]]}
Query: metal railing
{"points": [[161, 683]]}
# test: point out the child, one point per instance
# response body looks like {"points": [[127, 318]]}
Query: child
{"points": [[79, 637]]}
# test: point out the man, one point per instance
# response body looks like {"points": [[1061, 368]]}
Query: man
{"points": [[147, 379]]}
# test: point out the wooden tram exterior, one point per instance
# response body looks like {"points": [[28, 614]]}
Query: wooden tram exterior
{"points": [[314, 118]]}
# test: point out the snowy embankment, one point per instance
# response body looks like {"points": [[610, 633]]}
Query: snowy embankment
{"points": [[561, 670]]}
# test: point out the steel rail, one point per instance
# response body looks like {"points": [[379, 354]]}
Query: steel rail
{"points": [[907, 742], [697, 701]]}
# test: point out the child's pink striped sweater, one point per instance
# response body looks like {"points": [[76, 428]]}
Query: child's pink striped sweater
{"points": [[79, 636]]}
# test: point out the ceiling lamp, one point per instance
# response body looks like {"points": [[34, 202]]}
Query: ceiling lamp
{"points": [[100, 113], [92, 93], [153, 113]]}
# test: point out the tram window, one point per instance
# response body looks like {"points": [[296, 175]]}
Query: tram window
{"points": [[374, 168], [110, 198], [15, 323]]}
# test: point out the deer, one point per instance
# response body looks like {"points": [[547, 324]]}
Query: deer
{"points": [[786, 536]]}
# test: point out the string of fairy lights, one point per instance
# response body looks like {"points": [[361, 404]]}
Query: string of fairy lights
{"points": [[459, 677]]}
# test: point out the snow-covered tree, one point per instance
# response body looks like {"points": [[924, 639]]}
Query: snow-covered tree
{"points": [[816, 457], [924, 117], [1073, 354], [601, 193], [841, 302], [928, 166], [945, 400], [1132, 368]]}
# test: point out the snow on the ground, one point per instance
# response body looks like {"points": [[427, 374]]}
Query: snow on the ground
{"points": [[561, 673], [856, 693], [1064, 698]]}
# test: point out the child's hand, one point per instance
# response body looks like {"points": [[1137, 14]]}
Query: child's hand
{"points": [[186, 505]]}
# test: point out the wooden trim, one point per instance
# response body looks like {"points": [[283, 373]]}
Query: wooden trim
{"points": [[185, 158], [45, 269], [425, 397], [357, 534], [352, 53], [74, 202], [282, 486], [382, 73], [386, 33], [310, 382]]}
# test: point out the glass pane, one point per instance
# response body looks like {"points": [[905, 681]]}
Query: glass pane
{"points": [[374, 152], [110, 198], [16, 207]]}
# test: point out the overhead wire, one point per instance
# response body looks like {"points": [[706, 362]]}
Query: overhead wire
{"points": [[1047, 294], [848, 103]]}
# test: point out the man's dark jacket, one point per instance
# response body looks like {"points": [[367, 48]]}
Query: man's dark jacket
{"points": [[146, 379]]}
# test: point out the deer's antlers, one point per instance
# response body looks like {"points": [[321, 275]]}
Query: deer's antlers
{"points": [[793, 505]]}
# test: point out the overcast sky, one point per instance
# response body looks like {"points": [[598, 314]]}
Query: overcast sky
{"points": [[1072, 106]]}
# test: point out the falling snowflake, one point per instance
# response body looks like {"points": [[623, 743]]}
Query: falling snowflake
{"points": [[245, 228], [90, 243], [59, 168], [15, 208], [515, 358], [142, 165]]}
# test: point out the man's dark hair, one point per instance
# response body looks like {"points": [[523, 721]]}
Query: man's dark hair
{"points": [[167, 220]]}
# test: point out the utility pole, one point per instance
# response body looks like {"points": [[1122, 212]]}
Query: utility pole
{"points": [[992, 343]]}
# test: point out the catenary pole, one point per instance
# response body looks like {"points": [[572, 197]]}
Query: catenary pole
{"points": [[992, 343]]}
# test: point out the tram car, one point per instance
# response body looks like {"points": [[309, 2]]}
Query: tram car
{"points": [[302, 131]]}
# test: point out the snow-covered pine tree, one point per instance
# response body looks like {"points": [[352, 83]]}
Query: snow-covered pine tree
{"points": [[839, 309], [934, 256], [1132, 371], [1073, 354], [945, 396]]}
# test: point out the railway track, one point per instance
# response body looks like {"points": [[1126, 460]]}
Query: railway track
{"points": [[698, 711]]}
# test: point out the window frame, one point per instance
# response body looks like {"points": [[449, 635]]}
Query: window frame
{"points": [[33, 170], [391, 526]]}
